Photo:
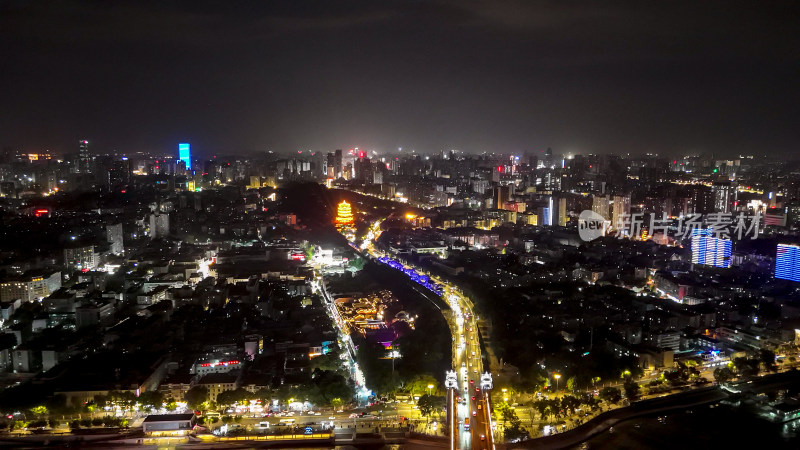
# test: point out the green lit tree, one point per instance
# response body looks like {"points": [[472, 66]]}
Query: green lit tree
{"points": [[234, 396], [632, 389], [723, 374], [39, 410], [196, 396], [151, 399], [428, 404], [610, 394]]}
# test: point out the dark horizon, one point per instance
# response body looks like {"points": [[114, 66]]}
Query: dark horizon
{"points": [[619, 77]]}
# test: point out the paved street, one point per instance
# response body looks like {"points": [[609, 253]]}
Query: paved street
{"points": [[473, 424]]}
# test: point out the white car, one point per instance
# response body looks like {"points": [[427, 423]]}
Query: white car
{"points": [[262, 426]]}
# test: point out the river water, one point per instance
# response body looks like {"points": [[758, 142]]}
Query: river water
{"points": [[713, 427]]}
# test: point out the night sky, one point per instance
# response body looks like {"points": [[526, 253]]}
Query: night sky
{"points": [[671, 77]]}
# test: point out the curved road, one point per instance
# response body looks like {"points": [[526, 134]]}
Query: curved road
{"points": [[472, 428]]}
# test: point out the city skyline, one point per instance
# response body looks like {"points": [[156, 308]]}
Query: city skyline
{"points": [[453, 286], [715, 78], [416, 224]]}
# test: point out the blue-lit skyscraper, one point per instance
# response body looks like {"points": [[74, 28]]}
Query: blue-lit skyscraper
{"points": [[185, 155], [787, 262], [710, 250]]}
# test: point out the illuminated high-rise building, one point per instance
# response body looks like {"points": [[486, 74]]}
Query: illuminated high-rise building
{"points": [[502, 194], [548, 158], [83, 164], [722, 190], [601, 204], [620, 209], [561, 213], [344, 215], [710, 250], [120, 172], [363, 168], [337, 163], [81, 257], [114, 237], [787, 262], [185, 155], [701, 199], [159, 226], [330, 163]]}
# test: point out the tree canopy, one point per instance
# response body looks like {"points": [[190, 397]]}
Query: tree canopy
{"points": [[196, 396]]}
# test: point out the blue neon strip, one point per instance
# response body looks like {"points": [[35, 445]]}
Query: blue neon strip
{"points": [[711, 251], [787, 262], [422, 280]]}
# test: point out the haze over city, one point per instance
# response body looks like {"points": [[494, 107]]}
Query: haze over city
{"points": [[685, 77]]}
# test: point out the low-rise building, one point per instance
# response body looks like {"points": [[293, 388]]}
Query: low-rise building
{"points": [[217, 383], [169, 424], [94, 313], [669, 339], [176, 385], [30, 288]]}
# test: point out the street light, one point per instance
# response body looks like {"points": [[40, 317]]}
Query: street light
{"points": [[430, 386], [557, 376]]}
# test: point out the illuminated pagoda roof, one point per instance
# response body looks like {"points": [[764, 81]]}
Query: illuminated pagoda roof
{"points": [[344, 214]]}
